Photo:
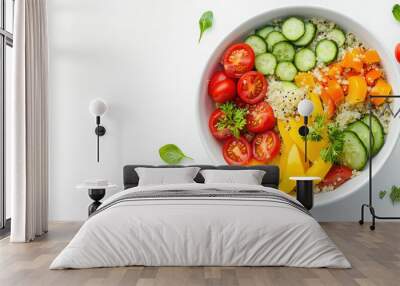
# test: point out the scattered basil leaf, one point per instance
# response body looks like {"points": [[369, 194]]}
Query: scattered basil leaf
{"points": [[396, 12], [205, 22], [382, 194], [171, 154], [395, 194]]}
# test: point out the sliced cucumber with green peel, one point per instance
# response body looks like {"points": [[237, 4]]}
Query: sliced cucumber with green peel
{"points": [[354, 155], [257, 43], [362, 131], [286, 71], [266, 63], [264, 32], [289, 86], [338, 36], [305, 59], [293, 28], [308, 36], [283, 52], [377, 133], [273, 38], [326, 51]]}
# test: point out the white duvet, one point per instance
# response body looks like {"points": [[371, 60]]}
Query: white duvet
{"points": [[200, 231]]}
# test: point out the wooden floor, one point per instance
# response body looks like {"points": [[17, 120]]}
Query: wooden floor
{"points": [[375, 257]]}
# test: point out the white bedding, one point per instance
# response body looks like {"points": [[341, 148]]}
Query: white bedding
{"points": [[200, 231]]}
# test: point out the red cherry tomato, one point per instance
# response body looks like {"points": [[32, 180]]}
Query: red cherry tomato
{"points": [[266, 146], [336, 176], [237, 151], [260, 118], [238, 59], [397, 52], [252, 87], [212, 124], [221, 88]]}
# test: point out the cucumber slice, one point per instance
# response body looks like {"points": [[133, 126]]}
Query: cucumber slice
{"points": [[289, 86], [308, 36], [338, 36], [257, 43], [326, 51], [377, 133], [264, 32], [354, 155], [362, 131], [265, 63], [286, 71], [293, 28], [284, 52], [273, 38], [305, 59]]}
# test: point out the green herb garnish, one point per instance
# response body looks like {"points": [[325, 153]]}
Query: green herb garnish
{"points": [[171, 154], [336, 142], [382, 194], [205, 22], [396, 12], [234, 118], [316, 129], [395, 194]]}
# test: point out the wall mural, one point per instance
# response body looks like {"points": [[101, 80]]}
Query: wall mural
{"points": [[257, 79]]}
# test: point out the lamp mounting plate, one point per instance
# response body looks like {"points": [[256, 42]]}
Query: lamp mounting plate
{"points": [[100, 130]]}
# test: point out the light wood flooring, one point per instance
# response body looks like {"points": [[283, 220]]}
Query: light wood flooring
{"points": [[375, 257]]}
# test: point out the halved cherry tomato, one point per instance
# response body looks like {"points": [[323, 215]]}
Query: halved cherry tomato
{"points": [[212, 124], [336, 176], [260, 117], [221, 88], [238, 59], [237, 151], [329, 104], [252, 87], [397, 52], [266, 146]]}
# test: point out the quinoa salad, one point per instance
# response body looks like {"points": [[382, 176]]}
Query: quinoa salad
{"points": [[261, 81]]}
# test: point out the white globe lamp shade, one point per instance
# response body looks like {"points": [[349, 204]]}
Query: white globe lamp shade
{"points": [[305, 107], [97, 107]]}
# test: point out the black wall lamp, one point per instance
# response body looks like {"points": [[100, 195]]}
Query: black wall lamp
{"points": [[305, 108], [97, 108]]}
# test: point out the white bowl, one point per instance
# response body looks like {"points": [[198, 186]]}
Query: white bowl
{"points": [[206, 106]]}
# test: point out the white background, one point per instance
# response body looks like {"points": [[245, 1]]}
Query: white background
{"points": [[143, 58]]}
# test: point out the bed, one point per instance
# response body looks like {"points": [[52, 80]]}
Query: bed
{"points": [[199, 224]]}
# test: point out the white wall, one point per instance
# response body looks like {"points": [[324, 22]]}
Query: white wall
{"points": [[142, 57]]}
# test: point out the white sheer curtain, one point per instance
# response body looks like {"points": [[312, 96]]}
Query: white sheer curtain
{"points": [[28, 159]]}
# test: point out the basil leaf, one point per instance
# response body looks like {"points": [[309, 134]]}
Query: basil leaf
{"points": [[171, 154], [205, 22], [395, 194], [382, 194], [396, 12]]}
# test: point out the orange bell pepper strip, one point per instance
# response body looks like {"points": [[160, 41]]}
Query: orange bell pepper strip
{"points": [[354, 59], [357, 89], [329, 104], [371, 57], [335, 91], [335, 70], [382, 87], [372, 76]]}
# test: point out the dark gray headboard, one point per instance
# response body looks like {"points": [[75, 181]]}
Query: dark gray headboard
{"points": [[271, 177]]}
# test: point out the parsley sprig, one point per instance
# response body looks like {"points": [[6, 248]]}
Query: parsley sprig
{"points": [[316, 129], [333, 152], [234, 118]]}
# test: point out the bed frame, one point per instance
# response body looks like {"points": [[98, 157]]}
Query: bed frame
{"points": [[270, 179]]}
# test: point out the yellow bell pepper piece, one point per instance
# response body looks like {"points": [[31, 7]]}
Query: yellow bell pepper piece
{"points": [[357, 89], [319, 169], [382, 87], [285, 184], [318, 108], [294, 167], [305, 79], [313, 147]]}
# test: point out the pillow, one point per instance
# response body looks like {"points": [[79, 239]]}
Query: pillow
{"points": [[247, 177], [163, 176]]}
